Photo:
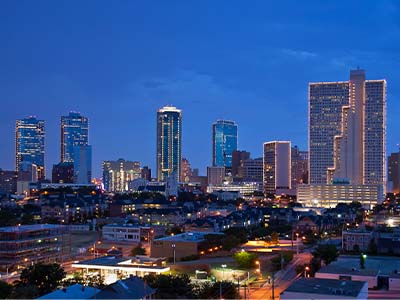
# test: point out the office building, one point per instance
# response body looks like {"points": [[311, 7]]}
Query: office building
{"points": [[347, 130], [186, 171], [299, 167], [63, 173], [251, 170], [215, 175], [118, 174], [83, 164], [74, 132], [21, 246], [29, 148], [394, 171], [225, 140], [237, 158], [169, 142], [8, 182], [277, 166], [330, 195], [146, 173]]}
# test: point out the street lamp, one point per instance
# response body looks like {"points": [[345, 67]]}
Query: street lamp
{"points": [[297, 243], [173, 249], [223, 271], [94, 248], [307, 268], [258, 267]]}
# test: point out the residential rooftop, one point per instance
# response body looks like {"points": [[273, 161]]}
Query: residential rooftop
{"points": [[33, 227]]}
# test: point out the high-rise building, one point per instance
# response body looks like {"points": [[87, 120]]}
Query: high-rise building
{"points": [[29, 146], [186, 171], [251, 170], [394, 171], [8, 181], [215, 175], [225, 140], [299, 167], [83, 164], [237, 158], [118, 174], [347, 131], [74, 132], [63, 173], [169, 142], [277, 166], [146, 173]]}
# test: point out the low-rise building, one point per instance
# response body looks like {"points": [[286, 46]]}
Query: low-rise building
{"points": [[317, 288], [356, 240], [20, 246]]}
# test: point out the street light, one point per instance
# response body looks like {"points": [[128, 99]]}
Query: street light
{"points": [[307, 268], [173, 249], [258, 267], [297, 243], [94, 248], [223, 271]]}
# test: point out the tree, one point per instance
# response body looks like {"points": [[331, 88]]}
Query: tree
{"points": [[229, 242], [170, 286], [327, 253], [94, 280], [24, 291], [372, 247], [138, 250], [275, 238], [240, 233], [5, 290], [226, 289], [45, 277], [245, 259]]}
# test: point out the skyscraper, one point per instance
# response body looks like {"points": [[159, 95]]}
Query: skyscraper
{"points": [[119, 173], [29, 146], [277, 166], [169, 142], [299, 167], [394, 171], [75, 146], [74, 132], [347, 130], [237, 158], [225, 140]]}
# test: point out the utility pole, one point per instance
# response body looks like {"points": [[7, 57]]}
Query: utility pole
{"points": [[273, 287]]}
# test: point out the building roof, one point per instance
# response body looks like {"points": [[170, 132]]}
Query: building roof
{"points": [[374, 265], [32, 227], [130, 288], [186, 237], [326, 287], [76, 291]]}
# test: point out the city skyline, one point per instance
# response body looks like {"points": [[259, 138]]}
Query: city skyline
{"points": [[118, 85]]}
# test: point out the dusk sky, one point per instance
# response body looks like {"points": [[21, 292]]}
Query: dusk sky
{"points": [[117, 62]]}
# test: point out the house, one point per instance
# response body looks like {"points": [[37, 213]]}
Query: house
{"points": [[76, 291], [130, 288]]}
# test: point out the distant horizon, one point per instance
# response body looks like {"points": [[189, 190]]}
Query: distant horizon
{"points": [[117, 63]]}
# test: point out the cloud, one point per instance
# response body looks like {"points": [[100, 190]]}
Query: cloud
{"points": [[299, 54]]}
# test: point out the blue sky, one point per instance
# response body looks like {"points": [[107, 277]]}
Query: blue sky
{"points": [[119, 61]]}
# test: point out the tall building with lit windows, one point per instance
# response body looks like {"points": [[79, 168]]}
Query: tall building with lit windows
{"points": [[29, 146], [75, 146], [347, 131], [276, 166], [169, 142], [118, 174], [225, 140], [74, 132]]}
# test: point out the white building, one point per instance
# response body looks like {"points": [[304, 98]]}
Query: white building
{"points": [[124, 232], [329, 195]]}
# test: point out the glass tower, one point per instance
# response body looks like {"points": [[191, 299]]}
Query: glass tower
{"points": [[169, 142], [29, 145], [224, 143], [74, 132]]}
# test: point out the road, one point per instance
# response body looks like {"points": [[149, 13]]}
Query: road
{"points": [[282, 279]]}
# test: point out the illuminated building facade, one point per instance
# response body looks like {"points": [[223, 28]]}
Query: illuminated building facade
{"points": [[225, 139], [74, 132], [118, 174], [169, 142], [299, 167], [347, 131], [394, 171], [29, 146], [277, 166], [186, 171], [330, 195]]}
